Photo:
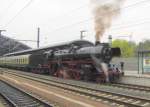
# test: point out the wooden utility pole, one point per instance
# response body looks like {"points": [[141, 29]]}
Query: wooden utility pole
{"points": [[81, 34], [38, 37], [110, 40]]}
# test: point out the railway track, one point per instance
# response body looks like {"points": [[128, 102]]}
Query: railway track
{"points": [[19, 98], [4, 102], [133, 87], [116, 99]]}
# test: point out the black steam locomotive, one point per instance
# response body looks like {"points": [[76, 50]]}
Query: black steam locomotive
{"points": [[79, 60]]}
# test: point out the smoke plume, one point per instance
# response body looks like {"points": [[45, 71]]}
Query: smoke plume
{"points": [[104, 11]]}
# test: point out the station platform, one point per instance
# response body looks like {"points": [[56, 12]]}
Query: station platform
{"points": [[132, 77], [136, 74]]}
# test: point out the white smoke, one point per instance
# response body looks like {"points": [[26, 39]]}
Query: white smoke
{"points": [[104, 11]]}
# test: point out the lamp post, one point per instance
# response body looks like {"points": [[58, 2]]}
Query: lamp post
{"points": [[110, 40], [38, 37], [81, 34]]}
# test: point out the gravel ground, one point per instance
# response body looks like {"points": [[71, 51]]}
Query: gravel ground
{"points": [[135, 93], [103, 87], [1, 104], [55, 95]]}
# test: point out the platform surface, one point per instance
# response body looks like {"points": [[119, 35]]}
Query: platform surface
{"points": [[132, 77]]}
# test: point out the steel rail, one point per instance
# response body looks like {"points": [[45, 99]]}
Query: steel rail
{"points": [[96, 93], [131, 86], [19, 97]]}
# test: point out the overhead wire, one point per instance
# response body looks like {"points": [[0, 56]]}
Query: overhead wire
{"points": [[18, 13], [126, 7], [73, 10], [6, 10], [67, 13], [131, 25]]}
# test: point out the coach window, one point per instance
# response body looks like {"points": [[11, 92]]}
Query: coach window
{"points": [[8, 61], [23, 60], [26, 60], [17, 61], [20, 61]]}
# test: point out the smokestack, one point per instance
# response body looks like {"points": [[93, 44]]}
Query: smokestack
{"points": [[97, 42], [103, 14]]}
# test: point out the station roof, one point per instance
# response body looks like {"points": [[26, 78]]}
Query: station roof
{"points": [[10, 45], [59, 46]]}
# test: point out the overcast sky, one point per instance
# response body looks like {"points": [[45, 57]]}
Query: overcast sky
{"points": [[62, 20]]}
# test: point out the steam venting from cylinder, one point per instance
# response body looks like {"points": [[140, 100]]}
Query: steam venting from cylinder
{"points": [[104, 11]]}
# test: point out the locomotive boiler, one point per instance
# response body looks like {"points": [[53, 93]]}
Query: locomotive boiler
{"points": [[79, 60]]}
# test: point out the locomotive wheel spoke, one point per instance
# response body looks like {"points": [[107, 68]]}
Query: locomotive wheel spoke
{"points": [[77, 75]]}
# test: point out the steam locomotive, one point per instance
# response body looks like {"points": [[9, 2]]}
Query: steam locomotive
{"points": [[79, 60]]}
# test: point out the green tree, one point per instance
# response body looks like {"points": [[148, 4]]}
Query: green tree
{"points": [[127, 48], [145, 45]]}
